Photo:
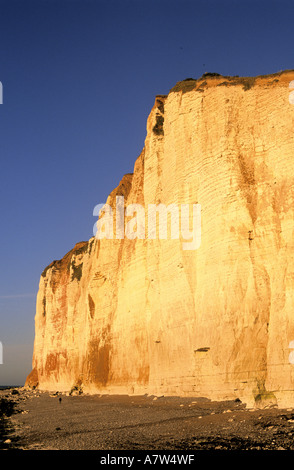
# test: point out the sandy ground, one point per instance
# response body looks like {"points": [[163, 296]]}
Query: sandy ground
{"points": [[59, 422]]}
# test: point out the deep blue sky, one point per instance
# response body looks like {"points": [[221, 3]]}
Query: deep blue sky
{"points": [[79, 80]]}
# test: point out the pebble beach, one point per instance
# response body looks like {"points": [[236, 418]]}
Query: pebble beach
{"points": [[34, 420]]}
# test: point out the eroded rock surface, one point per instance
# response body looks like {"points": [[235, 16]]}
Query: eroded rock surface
{"points": [[147, 316]]}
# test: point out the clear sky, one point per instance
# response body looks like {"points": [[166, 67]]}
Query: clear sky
{"points": [[79, 80]]}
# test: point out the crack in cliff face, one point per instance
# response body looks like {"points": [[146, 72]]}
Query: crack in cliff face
{"points": [[91, 306], [158, 128], [262, 285], [248, 184]]}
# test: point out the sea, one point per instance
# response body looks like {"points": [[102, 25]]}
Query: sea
{"points": [[4, 387]]}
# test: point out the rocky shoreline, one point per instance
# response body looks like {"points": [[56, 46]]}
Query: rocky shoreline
{"points": [[8, 437], [34, 420]]}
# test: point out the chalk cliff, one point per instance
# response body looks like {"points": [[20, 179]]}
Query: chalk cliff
{"points": [[148, 316]]}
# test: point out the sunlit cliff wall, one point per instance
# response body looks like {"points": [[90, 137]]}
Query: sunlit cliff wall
{"points": [[147, 316]]}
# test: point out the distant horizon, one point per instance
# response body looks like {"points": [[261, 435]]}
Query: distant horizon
{"points": [[10, 386]]}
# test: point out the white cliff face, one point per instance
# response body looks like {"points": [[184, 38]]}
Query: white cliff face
{"points": [[148, 316]]}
